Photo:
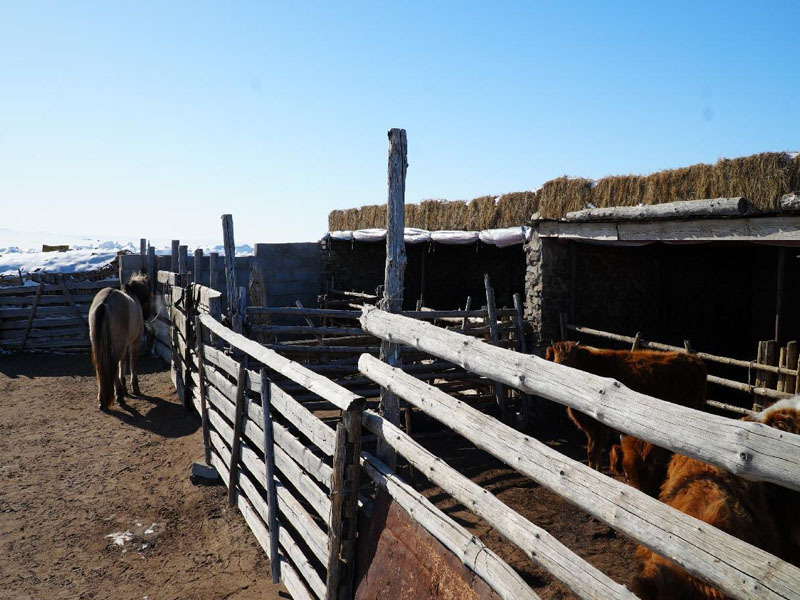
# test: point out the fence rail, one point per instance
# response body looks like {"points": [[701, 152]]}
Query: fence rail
{"points": [[739, 569]]}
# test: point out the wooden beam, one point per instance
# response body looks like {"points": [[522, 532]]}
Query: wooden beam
{"points": [[499, 390], [737, 568], [175, 250], [392, 300], [213, 270], [785, 228], [236, 443], [198, 265], [201, 372], [269, 483], [230, 273], [750, 450], [682, 209]]}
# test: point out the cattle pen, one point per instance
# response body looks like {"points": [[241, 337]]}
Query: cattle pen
{"points": [[317, 412]]}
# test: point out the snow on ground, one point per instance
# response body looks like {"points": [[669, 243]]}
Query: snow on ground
{"points": [[22, 250]]}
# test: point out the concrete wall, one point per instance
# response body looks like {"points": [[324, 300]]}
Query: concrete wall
{"points": [[293, 272]]}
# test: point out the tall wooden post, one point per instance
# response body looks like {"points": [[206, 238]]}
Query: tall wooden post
{"points": [[395, 268], [198, 265], [151, 270], [183, 251], [269, 484], [343, 519], [143, 255], [230, 273], [491, 314], [174, 263], [213, 271]]}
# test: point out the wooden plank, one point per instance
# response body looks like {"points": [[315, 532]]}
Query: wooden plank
{"points": [[584, 579], [304, 329], [230, 273], [151, 269], [31, 316], [335, 516], [213, 270], [737, 568], [174, 262], [499, 390], [313, 382], [205, 296], [39, 323], [197, 266], [42, 311], [681, 209], [785, 228], [52, 333], [201, 377], [167, 278], [74, 286], [237, 429], [45, 300], [750, 450], [469, 549], [790, 382], [269, 476]]}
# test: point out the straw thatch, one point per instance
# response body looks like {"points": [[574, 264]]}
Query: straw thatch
{"points": [[761, 178]]}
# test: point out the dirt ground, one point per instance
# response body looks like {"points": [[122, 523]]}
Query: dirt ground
{"points": [[96, 505]]}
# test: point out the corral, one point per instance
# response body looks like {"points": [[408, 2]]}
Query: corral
{"points": [[391, 441]]}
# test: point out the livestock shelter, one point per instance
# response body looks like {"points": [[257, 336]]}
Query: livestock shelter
{"points": [[444, 267]]}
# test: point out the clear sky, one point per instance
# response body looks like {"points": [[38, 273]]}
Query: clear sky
{"points": [[151, 119]]}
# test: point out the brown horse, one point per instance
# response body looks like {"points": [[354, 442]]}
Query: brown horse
{"points": [[116, 324]]}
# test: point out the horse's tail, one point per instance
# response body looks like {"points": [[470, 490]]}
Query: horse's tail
{"points": [[103, 355]]}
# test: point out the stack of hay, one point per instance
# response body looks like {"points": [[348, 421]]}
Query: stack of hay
{"points": [[761, 178]]}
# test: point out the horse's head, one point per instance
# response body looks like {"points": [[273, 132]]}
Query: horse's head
{"points": [[138, 287]]}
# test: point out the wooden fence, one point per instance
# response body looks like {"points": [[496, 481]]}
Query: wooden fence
{"points": [[749, 449], [48, 316]]}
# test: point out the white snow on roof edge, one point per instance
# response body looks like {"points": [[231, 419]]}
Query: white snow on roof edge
{"points": [[501, 238]]}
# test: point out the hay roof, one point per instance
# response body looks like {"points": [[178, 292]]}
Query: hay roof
{"points": [[761, 178]]}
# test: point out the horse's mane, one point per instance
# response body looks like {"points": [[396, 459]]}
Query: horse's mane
{"points": [[139, 287]]}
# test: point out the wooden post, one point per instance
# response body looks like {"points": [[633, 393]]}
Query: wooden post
{"points": [[213, 271], [151, 270], [257, 286], [467, 306], [499, 389], [770, 358], [781, 385], [779, 293], [143, 254], [342, 524], [230, 273], [175, 249], [236, 443], [31, 316], [790, 383], [198, 265], [519, 323], [201, 372], [394, 272], [242, 310], [269, 484], [562, 326], [71, 302], [687, 346], [636, 341], [182, 260]]}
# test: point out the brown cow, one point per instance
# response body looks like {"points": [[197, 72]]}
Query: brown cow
{"points": [[761, 514], [672, 376]]}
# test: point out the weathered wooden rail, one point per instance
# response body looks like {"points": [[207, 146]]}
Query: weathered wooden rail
{"points": [[749, 449], [48, 316]]}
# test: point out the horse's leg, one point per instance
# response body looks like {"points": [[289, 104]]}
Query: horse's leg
{"points": [[120, 382], [134, 357]]}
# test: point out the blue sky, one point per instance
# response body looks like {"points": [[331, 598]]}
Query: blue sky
{"points": [[175, 113]]}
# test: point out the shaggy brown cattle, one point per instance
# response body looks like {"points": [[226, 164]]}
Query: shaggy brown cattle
{"points": [[761, 514], [672, 376]]}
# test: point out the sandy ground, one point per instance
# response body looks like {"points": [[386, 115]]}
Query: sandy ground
{"points": [[96, 505]]}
